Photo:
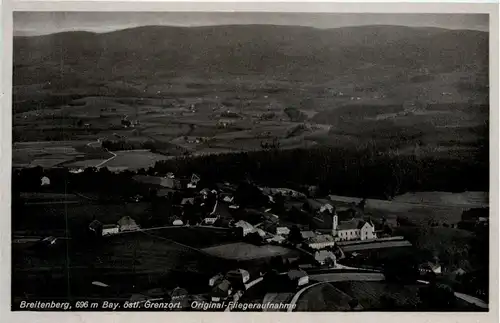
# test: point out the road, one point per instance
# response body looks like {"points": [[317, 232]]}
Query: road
{"points": [[99, 143]]}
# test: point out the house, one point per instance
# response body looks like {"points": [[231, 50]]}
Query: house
{"points": [[277, 239], [211, 219], [187, 200], [50, 240], [127, 224], [323, 257], [178, 294], [238, 276], [430, 268], [44, 181], [298, 276], [319, 206], [109, 229], [95, 226], [282, 231], [321, 241], [247, 227], [307, 234], [215, 280], [167, 181], [221, 291], [178, 222], [354, 229]]}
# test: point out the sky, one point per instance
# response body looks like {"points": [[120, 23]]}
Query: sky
{"points": [[39, 23]]}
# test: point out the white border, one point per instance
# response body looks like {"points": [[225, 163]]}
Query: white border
{"points": [[389, 6]]}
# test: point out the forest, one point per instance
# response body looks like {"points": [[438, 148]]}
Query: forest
{"points": [[360, 173]]}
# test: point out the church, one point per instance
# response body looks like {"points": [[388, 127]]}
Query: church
{"points": [[354, 229]]}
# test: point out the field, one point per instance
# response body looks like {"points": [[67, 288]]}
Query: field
{"points": [[126, 262], [323, 297], [376, 245], [133, 160], [369, 293], [244, 251], [422, 207], [76, 216], [196, 237]]}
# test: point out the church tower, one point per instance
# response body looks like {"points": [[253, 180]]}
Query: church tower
{"points": [[335, 224]]}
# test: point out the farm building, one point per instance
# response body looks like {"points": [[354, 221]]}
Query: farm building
{"points": [[307, 234], [430, 267], [168, 182], [187, 200], [282, 231], [215, 280], [211, 219], [222, 291], [325, 256], [108, 229], [95, 226], [247, 227], [127, 224], [44, 181], [50, 240], [321, 242], [298, 276], [239, 276], [319, 206], [276, 239]]}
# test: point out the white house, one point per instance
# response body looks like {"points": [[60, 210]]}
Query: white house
{"points": [[276, 239], [211, 219], [45, 181], [299, 276], [109, 229], [321, 242], [282, 231], [178, 222]]}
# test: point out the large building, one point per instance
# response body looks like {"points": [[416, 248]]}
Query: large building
{"points": [[354, 229]]}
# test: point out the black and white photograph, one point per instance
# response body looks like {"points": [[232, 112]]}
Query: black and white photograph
{"points": [[250, 162]]}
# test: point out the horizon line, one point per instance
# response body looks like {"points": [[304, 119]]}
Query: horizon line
{"points": [[31, 33]]}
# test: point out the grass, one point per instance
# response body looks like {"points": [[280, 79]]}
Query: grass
{"points": [[369, 293], [120, 261], [244, 251], [134, 159], [196, 237]]}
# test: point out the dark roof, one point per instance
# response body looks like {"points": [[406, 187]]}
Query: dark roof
{"points": [[348, 225], [126, 220], [296, 274], [95, 224], [109, 226]]}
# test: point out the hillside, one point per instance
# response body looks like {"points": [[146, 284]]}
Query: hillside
{"points": [[100, 64], [399, 87]]}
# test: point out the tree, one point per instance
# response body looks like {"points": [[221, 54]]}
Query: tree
{"points": [[437, 297], [295, 236], [402, 268]]}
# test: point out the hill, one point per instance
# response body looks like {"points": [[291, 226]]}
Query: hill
{"points": [[396, 88], [87, 63]]}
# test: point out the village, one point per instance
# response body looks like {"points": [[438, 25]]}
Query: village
{"points": [[279, 237]]}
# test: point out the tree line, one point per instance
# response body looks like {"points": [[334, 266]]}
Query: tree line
{"points": [[332, 170]]}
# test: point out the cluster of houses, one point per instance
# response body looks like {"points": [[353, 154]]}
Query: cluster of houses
{"points": [[126, 223]]}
